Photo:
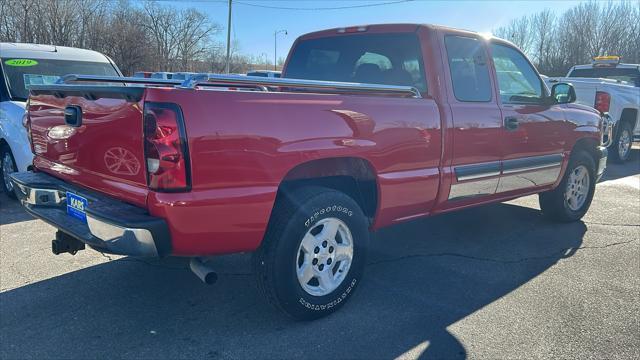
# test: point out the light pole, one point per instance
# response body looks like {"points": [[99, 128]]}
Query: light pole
{"points": [[266, 60], [275, 47], [227, 66]]}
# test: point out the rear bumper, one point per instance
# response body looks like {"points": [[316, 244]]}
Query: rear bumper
{"points": [[112, 226], [602, 161]]}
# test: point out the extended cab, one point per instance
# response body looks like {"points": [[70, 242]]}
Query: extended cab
{"points": [[611, 87], [370, 126]]}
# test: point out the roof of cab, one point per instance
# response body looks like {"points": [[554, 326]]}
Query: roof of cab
{"points": [[38, 51], [400, 27]]}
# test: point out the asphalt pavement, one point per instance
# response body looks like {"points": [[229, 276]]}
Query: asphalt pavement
{"points": [[493, 282]]}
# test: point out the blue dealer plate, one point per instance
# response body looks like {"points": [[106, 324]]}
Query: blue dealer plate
{"points": [[76, 206]]}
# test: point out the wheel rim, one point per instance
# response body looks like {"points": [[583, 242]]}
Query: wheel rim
{"points": [[7, 168], [624, 144], [577, 188], [324, 257]]}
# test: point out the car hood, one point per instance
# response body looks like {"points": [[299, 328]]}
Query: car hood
{"points": [[21, 104]]}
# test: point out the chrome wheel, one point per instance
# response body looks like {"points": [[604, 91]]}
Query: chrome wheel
{"points": [[577, 188], [624, 144], [324, 257], [7, 168]]}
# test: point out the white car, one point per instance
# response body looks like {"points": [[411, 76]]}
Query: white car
{"points": [[612, 87], [22, 65]]}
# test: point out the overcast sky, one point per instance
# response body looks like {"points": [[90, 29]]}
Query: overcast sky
{"points": [[253, 26]]}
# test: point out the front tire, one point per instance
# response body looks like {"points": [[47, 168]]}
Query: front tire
{"points": [[7, 165], [313, 254], [572, 198], [620, 148]]}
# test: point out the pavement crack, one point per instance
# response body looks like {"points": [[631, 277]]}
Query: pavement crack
{"points": [[561, 254], [106, 256]]}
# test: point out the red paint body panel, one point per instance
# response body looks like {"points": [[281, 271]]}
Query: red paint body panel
{"points": [[243, 144], [109, 127]]}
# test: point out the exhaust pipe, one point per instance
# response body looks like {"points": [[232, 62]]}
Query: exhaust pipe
{"points": [[203, 271]]}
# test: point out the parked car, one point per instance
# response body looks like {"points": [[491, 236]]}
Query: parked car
{"points": [[614, 88], [23, 65], [370, 126], [265, 73]]}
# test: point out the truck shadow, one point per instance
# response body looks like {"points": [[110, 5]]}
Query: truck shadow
{"points": [[11, 211], [616, 171], [421, 278]]}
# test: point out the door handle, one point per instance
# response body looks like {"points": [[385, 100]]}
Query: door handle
{"points": [[511, 123]]}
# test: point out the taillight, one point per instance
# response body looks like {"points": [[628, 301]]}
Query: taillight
{"points": [[165, 148], [603, 101]]}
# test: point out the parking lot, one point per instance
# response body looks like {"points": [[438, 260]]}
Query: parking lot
{"points": [[497, 281]]}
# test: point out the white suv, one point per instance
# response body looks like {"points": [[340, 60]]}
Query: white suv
{"points": [[22, 65]]}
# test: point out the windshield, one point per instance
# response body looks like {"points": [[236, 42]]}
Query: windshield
{"points": [[630, 75], [20, 73], [390, 59]]}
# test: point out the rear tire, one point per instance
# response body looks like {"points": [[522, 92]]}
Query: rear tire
{"points": [[620, 148], [7, 165], [302, 268], [572, 198]]}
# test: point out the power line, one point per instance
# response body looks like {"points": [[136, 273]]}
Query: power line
{"points": [[322, 8]]}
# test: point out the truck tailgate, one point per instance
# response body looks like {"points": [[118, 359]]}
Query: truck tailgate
{"points": [[104, 151]]}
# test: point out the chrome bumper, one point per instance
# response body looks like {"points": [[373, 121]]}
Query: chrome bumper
{"points": [[112, 226]]}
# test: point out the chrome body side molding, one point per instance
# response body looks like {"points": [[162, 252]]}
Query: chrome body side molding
{"points": [[497, 177], [477, 171]]}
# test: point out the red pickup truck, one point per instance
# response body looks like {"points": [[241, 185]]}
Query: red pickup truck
{"points": [[368, 127]]}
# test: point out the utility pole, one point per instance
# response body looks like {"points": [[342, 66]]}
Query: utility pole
{"points": [[227, 67], [275, 47]]}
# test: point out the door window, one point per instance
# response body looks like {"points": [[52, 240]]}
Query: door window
{"points": [[518, 81], [468, 67]]}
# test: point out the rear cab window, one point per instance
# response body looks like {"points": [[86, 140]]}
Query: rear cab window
{"points": [[469, 69], [388, 59]]}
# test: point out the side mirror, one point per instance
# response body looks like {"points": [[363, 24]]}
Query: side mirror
{"points": [[563, 93]]}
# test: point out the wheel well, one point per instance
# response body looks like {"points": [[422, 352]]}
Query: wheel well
{"points": [[630, 116], [352, 176], [590, 145]]}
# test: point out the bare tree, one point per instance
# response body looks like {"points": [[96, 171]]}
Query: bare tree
{"points": [[574, 37]]}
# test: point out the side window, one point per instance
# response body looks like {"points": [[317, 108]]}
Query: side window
{"points": [[469, 69], [517, 80]]}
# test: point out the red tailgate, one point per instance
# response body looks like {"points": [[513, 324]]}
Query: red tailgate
{"points": [[105, 152]]}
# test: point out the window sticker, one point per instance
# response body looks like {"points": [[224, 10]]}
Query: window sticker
{"points": [[20, 62], [37, 79]]}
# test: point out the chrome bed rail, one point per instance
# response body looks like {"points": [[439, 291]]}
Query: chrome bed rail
{"points": [[256, 83]]}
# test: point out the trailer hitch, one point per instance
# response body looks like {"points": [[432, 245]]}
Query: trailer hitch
{"points": [[65, 243]]}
